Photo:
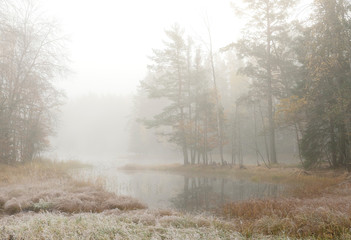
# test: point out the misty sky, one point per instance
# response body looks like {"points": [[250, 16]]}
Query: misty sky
{"points": [[111, 39]]}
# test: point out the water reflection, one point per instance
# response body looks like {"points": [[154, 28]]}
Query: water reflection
{"points": [[204, 193], [184, 193]]}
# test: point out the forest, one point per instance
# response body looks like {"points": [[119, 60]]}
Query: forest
{"points": [[283, 87]]}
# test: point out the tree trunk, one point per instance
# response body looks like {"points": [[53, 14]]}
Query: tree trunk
{"points": [[333, 143], [264, 135], [239, 147], [218, 105], [255, 134], [272, 149]]}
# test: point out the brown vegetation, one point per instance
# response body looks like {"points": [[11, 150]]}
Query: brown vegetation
{"points": [[46, 186], [319, 211], [37, 170]]}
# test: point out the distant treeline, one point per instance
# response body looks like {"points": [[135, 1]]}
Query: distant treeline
{"points": [[290, 74], [30, 57]]}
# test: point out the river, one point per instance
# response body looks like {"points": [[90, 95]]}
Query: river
{"points": [[182, 192]]}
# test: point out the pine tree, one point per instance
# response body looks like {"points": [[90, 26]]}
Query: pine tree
{"points": [[169, 80], [267, 25], [326, 56]]}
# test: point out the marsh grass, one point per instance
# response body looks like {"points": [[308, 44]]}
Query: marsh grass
{"points": [[39, 169], [313, 185], [318, 214], [46, 186], [314, 219]]}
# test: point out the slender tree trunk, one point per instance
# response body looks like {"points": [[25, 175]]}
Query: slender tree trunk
{"points": [[264, 135], [235, 150], [205, 138], [184, 144], [239, 147], [272, 149], [298, 142], [333, 147], [191, 128], [233, 139], [182, 119], [255, 134], [218, 105]]}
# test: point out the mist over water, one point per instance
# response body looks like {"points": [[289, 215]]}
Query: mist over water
{"points": [[182, 192]]}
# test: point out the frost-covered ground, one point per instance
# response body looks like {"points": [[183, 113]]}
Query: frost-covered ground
{"points": [[131, 225], [42, 201], [45, 186], [64, 195]]}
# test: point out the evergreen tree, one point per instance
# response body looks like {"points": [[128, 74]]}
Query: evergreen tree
{"points": [[169, 81], [260, 46], [326, 54]]}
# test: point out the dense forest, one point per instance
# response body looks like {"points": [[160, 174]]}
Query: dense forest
{"points": [[284, 86]]}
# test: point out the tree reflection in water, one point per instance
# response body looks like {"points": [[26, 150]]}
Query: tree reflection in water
{"points": [[206, 193]]}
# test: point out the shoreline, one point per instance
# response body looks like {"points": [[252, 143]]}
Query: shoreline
{"points": [[42, 201], [320, 199], [285, 174]]}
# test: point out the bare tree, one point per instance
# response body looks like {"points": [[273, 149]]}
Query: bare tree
{"points": [[31, 55]]}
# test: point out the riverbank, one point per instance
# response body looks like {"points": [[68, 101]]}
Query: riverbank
{"points": [[42, 201], [316, 206]]}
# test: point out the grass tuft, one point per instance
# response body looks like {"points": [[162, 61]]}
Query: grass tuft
{"points": [[12, 206]]}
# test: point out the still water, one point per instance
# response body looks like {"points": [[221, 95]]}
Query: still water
{"points": [[181, 192]]}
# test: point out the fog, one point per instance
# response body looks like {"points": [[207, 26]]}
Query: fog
{"points": [[109, 47], [110, 41], [184, 81], [188, 119], [93, 126], [109, 44]]}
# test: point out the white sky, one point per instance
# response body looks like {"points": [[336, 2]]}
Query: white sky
{"points": [[111, 39]]}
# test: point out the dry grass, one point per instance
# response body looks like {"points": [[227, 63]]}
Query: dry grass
{"points": [[46, 186], [313, 185], [132, 225], [39, 169], [159, 167], [324, 216]]}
